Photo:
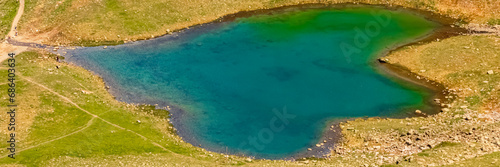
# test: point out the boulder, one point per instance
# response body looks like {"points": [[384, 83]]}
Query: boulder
{"points": [[418, 112], [382, 60]]}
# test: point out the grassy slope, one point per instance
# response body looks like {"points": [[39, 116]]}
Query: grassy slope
{"points": [[85, 22], [460, 63], [44, 116], [483, 161], [8, 10], [46, 125], [105, 22]]}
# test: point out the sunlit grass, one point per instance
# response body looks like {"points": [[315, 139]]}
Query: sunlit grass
{"points": [[92, 23], [8, 10]]}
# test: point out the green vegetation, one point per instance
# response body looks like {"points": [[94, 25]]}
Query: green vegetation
{"points": [[8, 10], [446, 144], [54, 132], [460, 63], [57, 127], [49, 126], [79, 22], [466, 65], [492, 160], [493, 21]]}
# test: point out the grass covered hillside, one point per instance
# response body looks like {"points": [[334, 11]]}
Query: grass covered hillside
{"points": [[112, 21], [466, 132], [8, 9], [66, 117], [65, 114]]}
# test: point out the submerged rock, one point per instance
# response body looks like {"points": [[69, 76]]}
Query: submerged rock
{"points": [[383, 60]]}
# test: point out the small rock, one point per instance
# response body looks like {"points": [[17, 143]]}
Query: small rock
{"points": [[490, 72], [309, 149], [248, 160], [105, 47], [138, 121], [418, 112], [445, 110], [382, 60], [318, 145], [409, 158], [422, 71], [463, 107], [85, 92], [412, 132]]}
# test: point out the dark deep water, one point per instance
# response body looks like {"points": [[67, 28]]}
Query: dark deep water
{"points": [[265, 85]]}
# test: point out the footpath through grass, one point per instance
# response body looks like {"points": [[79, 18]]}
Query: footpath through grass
{"points": [[49, 128], [8, 10]]}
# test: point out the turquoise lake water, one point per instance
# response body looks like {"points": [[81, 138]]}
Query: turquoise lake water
{"points": [[266, 85]]}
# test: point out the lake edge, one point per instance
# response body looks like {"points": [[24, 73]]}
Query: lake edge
{"points": [[430, 37]]}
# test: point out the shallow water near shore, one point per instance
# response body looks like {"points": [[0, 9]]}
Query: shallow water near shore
{"points": [[266, 85]]}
